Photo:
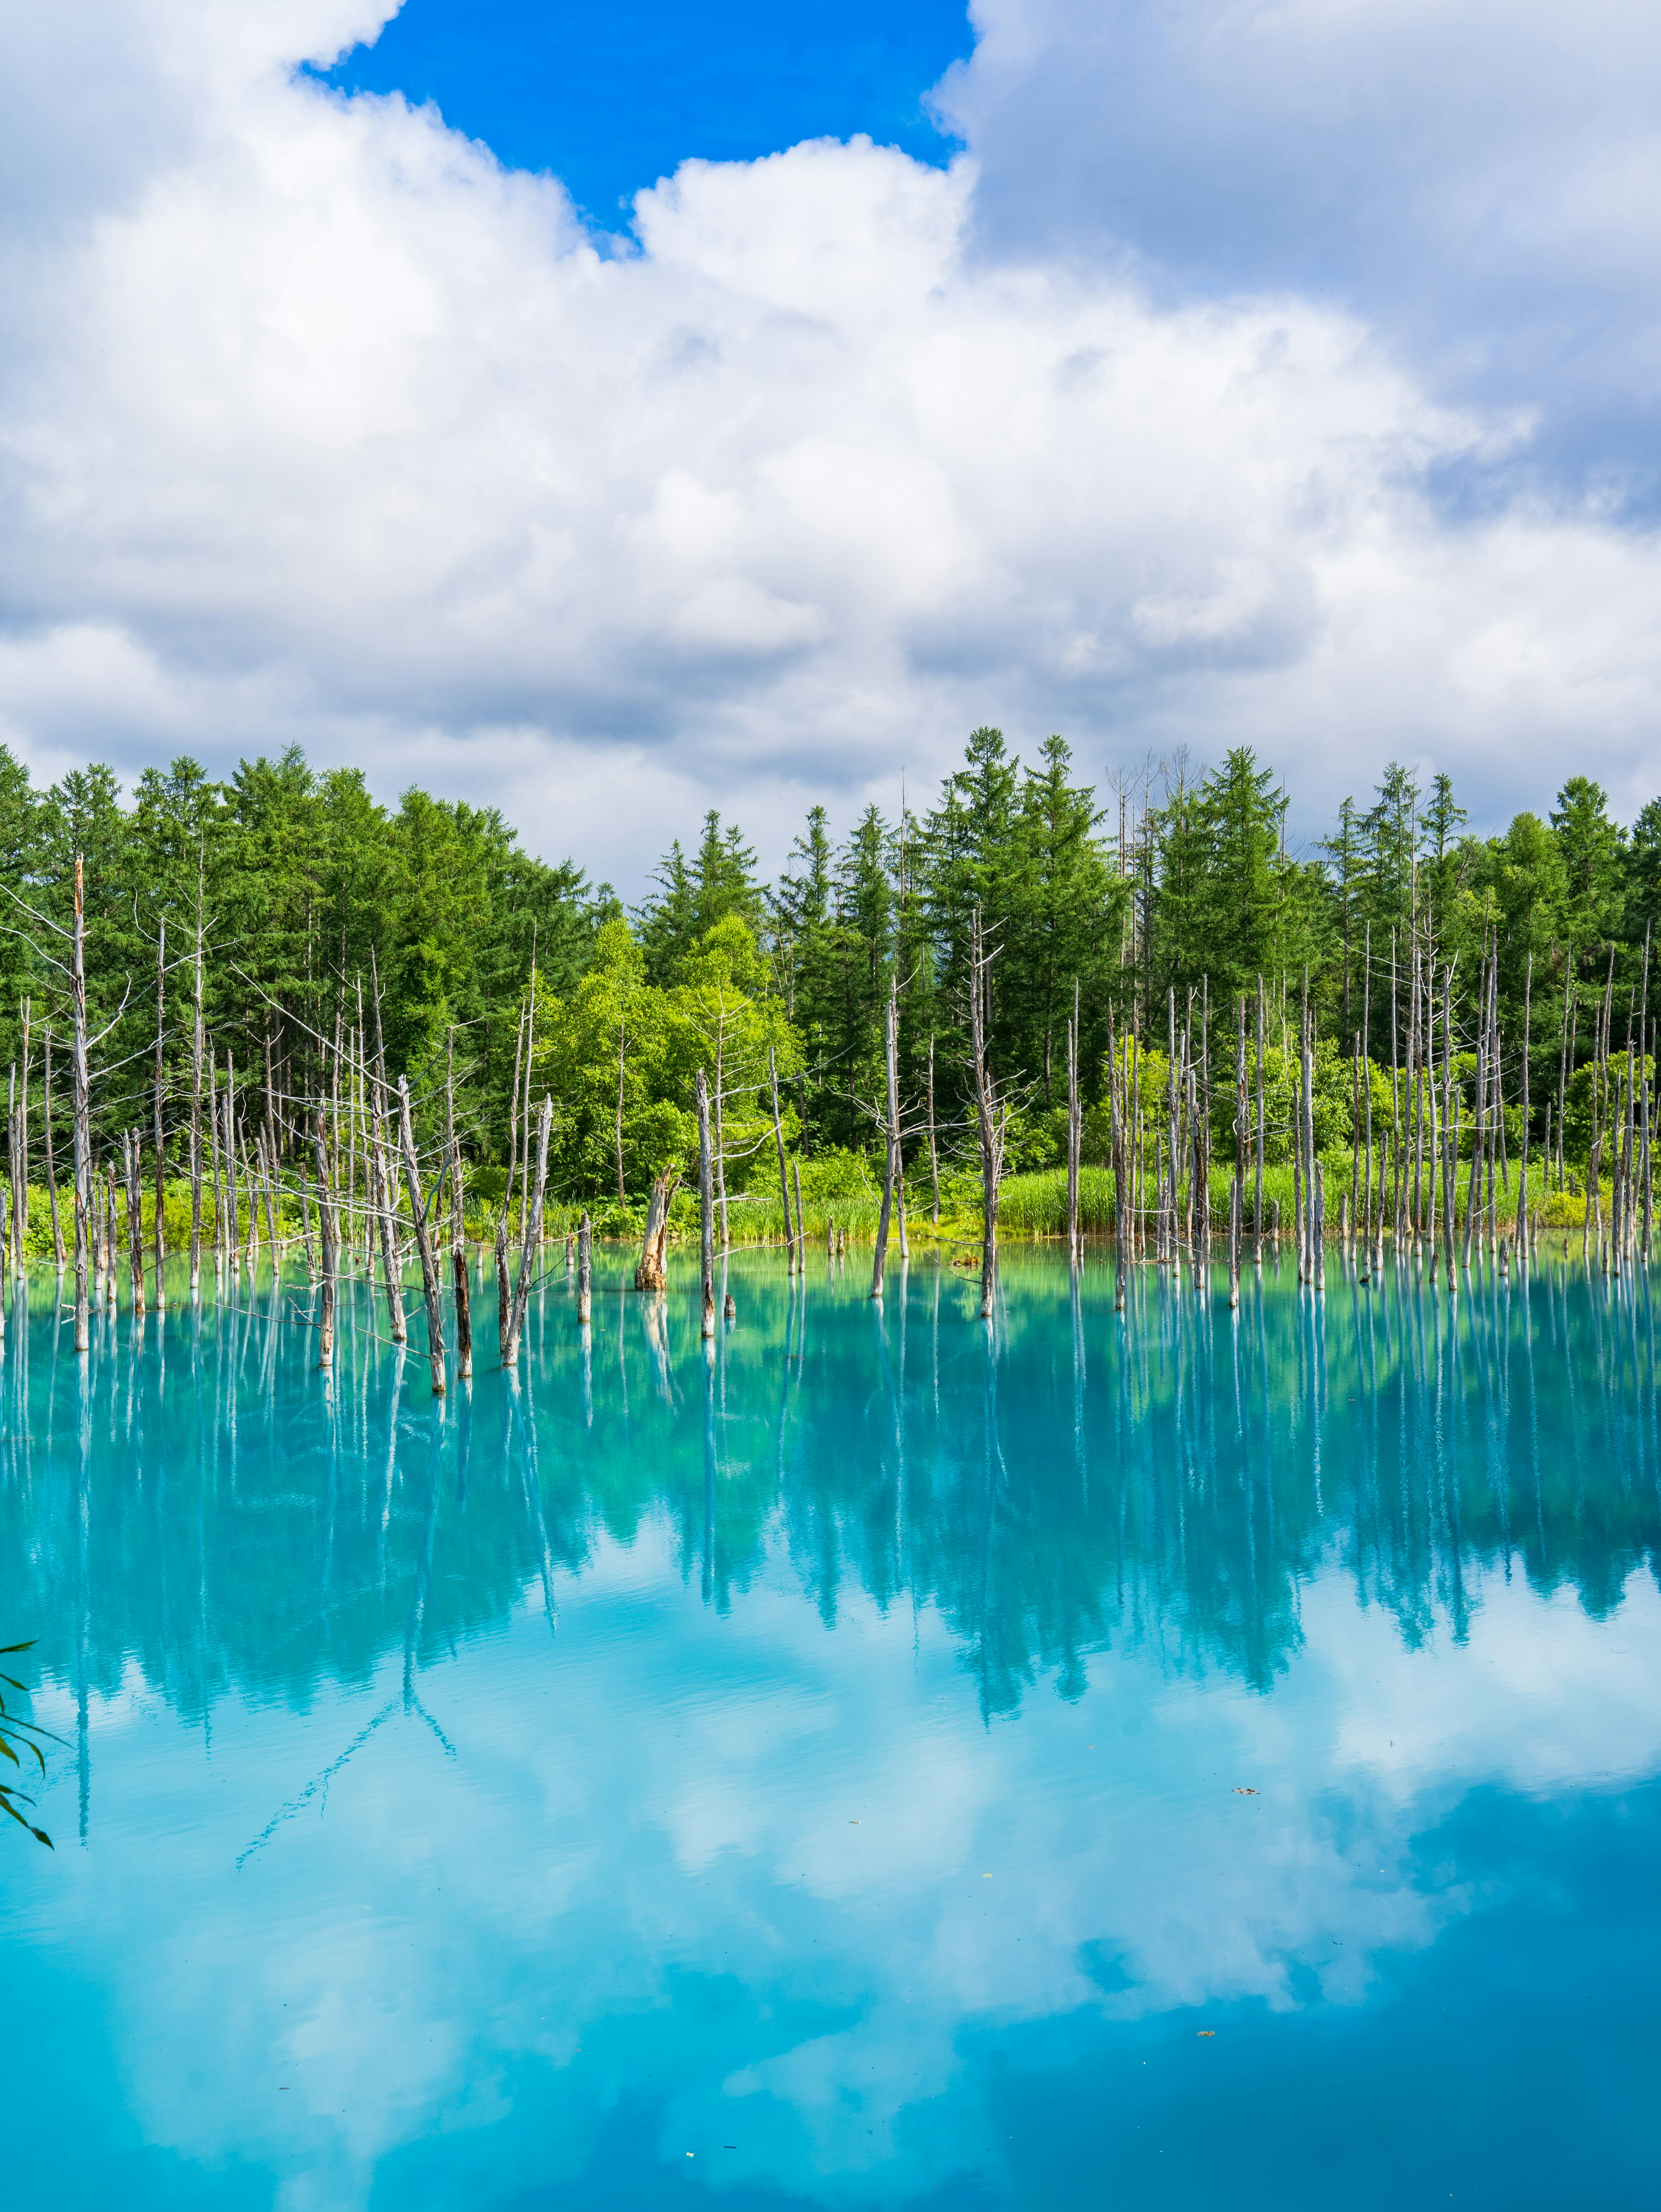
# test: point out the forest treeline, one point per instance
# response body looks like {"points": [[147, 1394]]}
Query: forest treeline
{"points": [[428, 932]]}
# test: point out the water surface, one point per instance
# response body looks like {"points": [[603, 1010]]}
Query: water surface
{"points": [[1165, 1761]]}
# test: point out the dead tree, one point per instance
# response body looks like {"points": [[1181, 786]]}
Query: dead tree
{"points": [[706, 1209], [458, 1267], [131, 1161], [650, 1273], [892, 1128], [198, 1050], [529, 1238], [458, 1220], [58, 1254], [81, 1075], [784, 1182], [1074, 1134], [990, 1112], [424, 1242], [329, 1252], [160, 1153]]}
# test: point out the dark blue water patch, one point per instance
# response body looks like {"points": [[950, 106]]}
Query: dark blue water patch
{"points": [[1511, 2065]]}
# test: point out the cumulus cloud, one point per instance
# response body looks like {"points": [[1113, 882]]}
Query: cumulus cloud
{"points": [[316, 424], [1481, 179]]}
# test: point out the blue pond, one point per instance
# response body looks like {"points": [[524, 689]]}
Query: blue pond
{"points": [[1172, 1760]]}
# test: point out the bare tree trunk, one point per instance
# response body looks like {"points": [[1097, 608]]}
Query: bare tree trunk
{"points": [[1258, 1195], [198, 1042], [1116, 1149], [57, 1250], [218, 1179], [326, 1239], [933, 1154], [1563, 1056], [80, 1078], [1523, 1165], [504, 1295], [530, 1057], [250, 1187], [458, 1211], [989, 1121], [802, 1226], [720, 1101], [129, 1146], [706, 1210], [233, 1213], [158, 1137], [1450, 1135], [23, 1139], [12, 1242], [267, 1165], [585, 1270], [650, 1273], [1646, 1036], [111, 1242], [784, 1181], [458, 1267], [513, 1111], [1075, 1132], [384, 1200], [424, 1242], [891, 1171], [531, 1237]]}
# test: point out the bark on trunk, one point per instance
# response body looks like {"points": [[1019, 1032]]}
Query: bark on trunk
{"points": [[424, 1242], [706, 1210], [530, 1239], [650, 1273], [327, 1240], [83, 1199]]}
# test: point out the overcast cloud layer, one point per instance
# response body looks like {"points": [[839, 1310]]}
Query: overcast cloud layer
{"points": [[1280, 375]]}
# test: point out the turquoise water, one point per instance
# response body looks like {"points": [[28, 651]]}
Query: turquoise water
{"points": [[1172, 1761]]}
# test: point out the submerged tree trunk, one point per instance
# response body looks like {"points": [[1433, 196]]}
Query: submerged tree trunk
{"points": [[1074, 1134], [706, 1210], [57, 1250], [83, 1193], [158, 1135], [458, 1268], [784, 1181], [197, 1046], [892, 1127], [989, 1119], [131, 1148], [531, 1238], [326, 1241], [650, 1273], [424, 1242]]}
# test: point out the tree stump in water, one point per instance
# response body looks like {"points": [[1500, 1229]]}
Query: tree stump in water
{"points": [[648, 1275]]}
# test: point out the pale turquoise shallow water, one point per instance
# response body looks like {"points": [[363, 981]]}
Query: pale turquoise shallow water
{"points": [[820, 1779]]}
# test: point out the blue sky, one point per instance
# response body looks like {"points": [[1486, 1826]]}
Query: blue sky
{"points": [[612, 417], [612, 98]]}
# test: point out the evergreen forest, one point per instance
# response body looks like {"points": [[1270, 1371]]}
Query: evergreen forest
{"points": [[1153, 904]]}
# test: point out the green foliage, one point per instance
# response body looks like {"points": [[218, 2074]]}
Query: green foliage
{"points": [[1594, 1099], [19, 1735], [319, 906]]}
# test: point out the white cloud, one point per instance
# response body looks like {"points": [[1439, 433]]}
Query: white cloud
{"points": [[1478, 177], [315, 424]]}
